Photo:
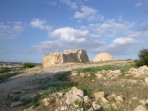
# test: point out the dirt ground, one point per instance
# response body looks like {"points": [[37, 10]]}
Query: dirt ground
{"points": [[24, 82]]}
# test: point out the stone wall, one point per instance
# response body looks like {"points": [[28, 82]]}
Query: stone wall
{"points": [[68, 56]]}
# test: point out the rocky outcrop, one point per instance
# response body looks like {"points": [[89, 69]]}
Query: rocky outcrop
{"points": [[74, 95], [140, 108], [68, 56], [139, 72]]}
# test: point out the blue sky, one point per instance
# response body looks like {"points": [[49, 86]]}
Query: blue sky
{"points": [[31, 28]]}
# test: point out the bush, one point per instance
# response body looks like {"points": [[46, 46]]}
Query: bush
{"points": [[4, 69], [28, 65], [143, 58]]}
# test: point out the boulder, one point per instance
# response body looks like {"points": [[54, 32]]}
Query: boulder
{"points": [[86, 99], [139, 72], [96, 106], [74, 95], [68, 56], [99, 95], [46, 101], [99, 76], [114, 73], [140, 108]]}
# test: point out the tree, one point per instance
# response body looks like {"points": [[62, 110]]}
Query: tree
{"points": [[143, 57], [28, 65]]}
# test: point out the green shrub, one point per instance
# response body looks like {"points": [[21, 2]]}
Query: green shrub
{"points": [[28, 65], [4, 69], [143, 57]]}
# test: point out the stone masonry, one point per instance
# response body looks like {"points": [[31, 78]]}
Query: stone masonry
{"points": [[68, 56]]}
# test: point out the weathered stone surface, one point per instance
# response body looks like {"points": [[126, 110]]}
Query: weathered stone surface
{"points": [[90, 109], [68, 56], [63, 108], [140, 108], [79, 55], [96, 106], [46, 101], [114, 73], [51, 59], [99, 76], [139, 72], [74, 95], [146, 80], [86, 99], [119, 99], [99, 95]]}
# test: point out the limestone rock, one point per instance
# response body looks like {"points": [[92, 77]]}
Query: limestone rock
{"points": [[51, 59], [114, 73], [82, 74], [74, 95], [99, 95], [86, 99], [146, 80], [46, 101], [68, 56], [99, 76], [103, 57], [74, 73], [139, 72], [119, 98], [96, 106], [63, 108], [90, 109], [140, 108], [114, 106]]}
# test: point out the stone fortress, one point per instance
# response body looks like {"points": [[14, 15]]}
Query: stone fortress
{"points": [[75, 55]]}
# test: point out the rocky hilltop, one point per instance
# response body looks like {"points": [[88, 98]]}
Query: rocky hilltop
{"points": [[68, 56]]}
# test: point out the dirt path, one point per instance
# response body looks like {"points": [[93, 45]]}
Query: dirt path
{"points": [[23, 82]]}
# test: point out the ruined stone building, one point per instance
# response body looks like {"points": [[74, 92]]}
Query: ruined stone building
{"points": [[68, 56]]}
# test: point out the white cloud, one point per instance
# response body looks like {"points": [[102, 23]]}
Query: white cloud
{"points": [[112, 27], [69, 38], [41, 24], [89, 13], [85, 12], [110, 35], [10, 30], [123, 41], [71, 4], [69, 34]]}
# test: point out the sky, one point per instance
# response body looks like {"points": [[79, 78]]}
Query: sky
{"points": [[29, 29]]}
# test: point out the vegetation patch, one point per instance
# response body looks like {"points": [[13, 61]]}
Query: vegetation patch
{"points": [[6, 75], [28, 65], [58, 82], [123, 68]]}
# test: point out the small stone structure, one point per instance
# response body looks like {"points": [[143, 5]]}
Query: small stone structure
{"points": [[68, 56], [103, 57]]}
